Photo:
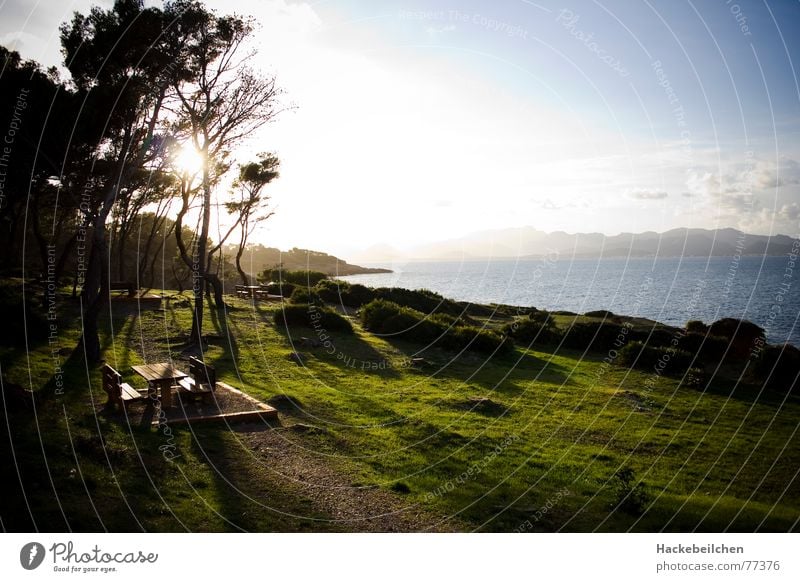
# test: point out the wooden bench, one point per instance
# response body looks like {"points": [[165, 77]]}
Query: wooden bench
{"points": [[123, 286], [201, 381], [119, 392]]}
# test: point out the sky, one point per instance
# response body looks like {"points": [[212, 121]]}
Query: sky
{"points": [[422, 121]]}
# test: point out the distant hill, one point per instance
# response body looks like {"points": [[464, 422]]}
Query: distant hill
{"points": [[529, 242], [258, 257]]}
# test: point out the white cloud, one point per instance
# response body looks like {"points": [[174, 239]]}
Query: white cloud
{"points": [[646, 194]]}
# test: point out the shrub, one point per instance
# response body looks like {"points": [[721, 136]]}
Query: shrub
{"points": [[708, 349], [312, 316], [386, 317], [304, 278], [477, 340], [421, 300], [528, 332], [21, 319], [655, 337], [630, 497], [542, 317], [351, 295], [285, 289], [778, 366], [600, 313], [696, 326], [644, 357], [304, 295], [742, 335], [595, 335]]}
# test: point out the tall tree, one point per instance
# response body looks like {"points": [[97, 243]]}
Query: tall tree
{"points": [[225, 102], [117, 59], [253, 178]]}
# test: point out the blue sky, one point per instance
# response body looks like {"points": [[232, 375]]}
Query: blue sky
{"points": [[419, 121]]}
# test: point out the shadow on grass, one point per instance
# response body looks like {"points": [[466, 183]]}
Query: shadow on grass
{"points": [[346, 351], [249, 495]]}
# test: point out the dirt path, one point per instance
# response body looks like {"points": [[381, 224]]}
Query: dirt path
{"points": [[332, 490]]}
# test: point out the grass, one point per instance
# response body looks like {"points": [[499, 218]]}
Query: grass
{"points": [[560, 427]]}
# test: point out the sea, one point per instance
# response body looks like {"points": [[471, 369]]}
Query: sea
{"points": [[764, 290]]}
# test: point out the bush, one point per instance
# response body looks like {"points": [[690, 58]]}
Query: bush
{"points": [[420, 300], [528, 332], [543, 317], [778, 366], [312, 316], [668, 361], [284, 289], [600, 313], [389, 318], [742, 335], [630, 497], [341, 292], [303, 295], [656, 337], [21, 320], [696, 326], [300, 278], [593, 335], [708, 349]]}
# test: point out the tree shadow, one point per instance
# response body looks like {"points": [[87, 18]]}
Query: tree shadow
{"points": [[500, 373], [345, 351], [250, 495]]}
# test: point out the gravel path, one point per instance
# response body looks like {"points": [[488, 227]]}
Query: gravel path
{"points": [[332, 490]]}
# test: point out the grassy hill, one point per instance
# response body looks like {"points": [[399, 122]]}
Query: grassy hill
{"points": [[534, 440]]}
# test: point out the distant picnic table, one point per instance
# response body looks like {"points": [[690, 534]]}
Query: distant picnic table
{"points": [[161, 378]]}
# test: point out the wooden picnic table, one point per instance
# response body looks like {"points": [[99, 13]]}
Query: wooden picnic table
{"points": [[160, 377]]}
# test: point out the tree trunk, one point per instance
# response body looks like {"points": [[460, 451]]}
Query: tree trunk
{"points": [[95, 290], [199, 264], [216, 286], [242, 274]]}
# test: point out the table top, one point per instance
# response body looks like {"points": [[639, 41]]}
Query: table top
{"points": [[158, 372]]}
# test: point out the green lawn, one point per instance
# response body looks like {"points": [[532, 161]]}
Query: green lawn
{"points": [[541, 455]]}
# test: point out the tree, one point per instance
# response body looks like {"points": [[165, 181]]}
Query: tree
{"points": [[220, 102], [252, 179], [117, 58]]}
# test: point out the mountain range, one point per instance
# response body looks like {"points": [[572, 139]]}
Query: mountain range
{"points": [[527, 241]]}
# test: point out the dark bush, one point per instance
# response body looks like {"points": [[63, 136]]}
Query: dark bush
{"points": [[21, 318], [593, 335], [542, 317], [600, 313], [312, 316], [421, 300], [669, 362], [779, 367], [300, 278], [696, 326], [285, 289], [527, 332], [477, 340], [708, 349], [388, 318], [341, 292], [742, 335], [655, 337], [304, 295], [629, 496]]}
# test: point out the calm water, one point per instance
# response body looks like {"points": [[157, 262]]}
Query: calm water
{"points": [[763, 290]]}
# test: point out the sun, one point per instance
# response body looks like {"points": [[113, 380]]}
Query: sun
{"points": [[189, 160]]}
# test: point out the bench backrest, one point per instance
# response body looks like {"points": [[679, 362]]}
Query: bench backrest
{"points": [[202, 372], [112, 382]]}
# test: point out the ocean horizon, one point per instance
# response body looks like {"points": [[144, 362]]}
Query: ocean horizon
{"points": [[669, 290]]}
